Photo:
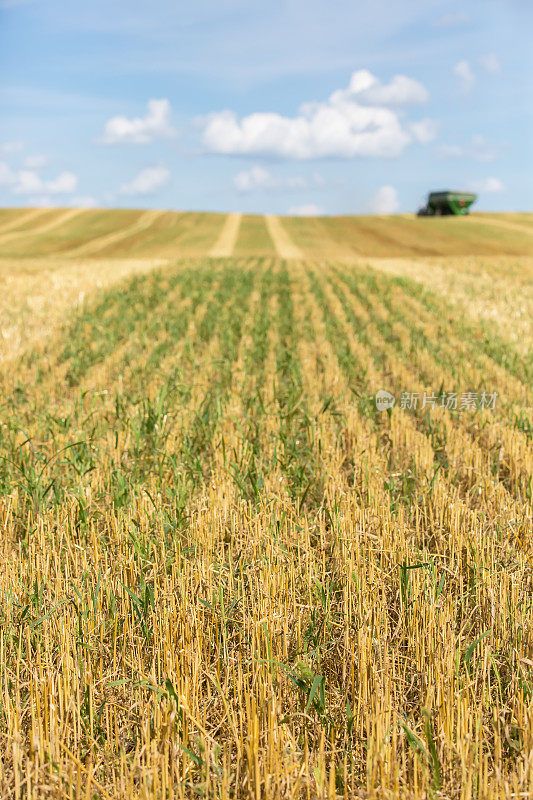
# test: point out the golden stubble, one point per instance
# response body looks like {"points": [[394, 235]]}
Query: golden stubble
{"points": [[367, 636]]}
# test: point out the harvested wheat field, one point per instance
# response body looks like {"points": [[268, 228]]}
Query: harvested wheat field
{"points": [[224, 572]]}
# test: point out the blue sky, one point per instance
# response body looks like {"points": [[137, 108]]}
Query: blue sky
{"points": [[282, 107]]}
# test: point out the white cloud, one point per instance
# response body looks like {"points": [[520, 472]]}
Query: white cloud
{"points": [[148, 181], [306, 210], [488, 186], [385, 201], [65, 183], [356, 121], [478, 149], [491, 63], [424, 130], [452, 20], [35, 162], [11, 147], [7, 176], [29, 182], [369, 90], [465, 76], [257, 178], [140, 130], [254, 178]]}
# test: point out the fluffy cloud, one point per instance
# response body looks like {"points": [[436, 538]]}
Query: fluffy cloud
{"points": [[306, 210], [424, 131], [367, 89], [491, 63], [27, 181], [65, 183], [385, 201], [148, 181], [488, 186], [140, 130], [478, 149], [465, 76], [258, 178], [39, 190], [357, 121]]}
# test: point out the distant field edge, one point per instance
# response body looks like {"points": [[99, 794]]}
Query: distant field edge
{"points": [[113, 233]]}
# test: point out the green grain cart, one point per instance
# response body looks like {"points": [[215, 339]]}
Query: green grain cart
{"points": [[443, 203]]}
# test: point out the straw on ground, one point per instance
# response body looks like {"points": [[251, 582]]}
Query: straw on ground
{"points": [[225, 243], [224, 572], [283, 243]]}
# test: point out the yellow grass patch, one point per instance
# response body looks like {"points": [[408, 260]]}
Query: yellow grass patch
{"points": [[146, 219], [502, 222], [57, 221], [21, 217], [37, 295], [498, 289]]}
